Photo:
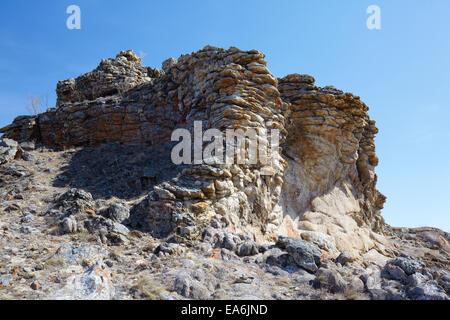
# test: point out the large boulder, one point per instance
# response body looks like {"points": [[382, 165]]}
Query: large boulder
{"points": [[306, 255], [9, 150]]}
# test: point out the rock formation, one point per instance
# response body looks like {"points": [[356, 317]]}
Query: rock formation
{"points": [[306, 224], [323, 183], [329, 187]]}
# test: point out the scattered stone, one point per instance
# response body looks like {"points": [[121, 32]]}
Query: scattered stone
{"points": [[119, 212], [35, 286], [394, 272], [120, 229], [322, 240], [28, 145], [95, 284], [248, 248], [329, 279], [229, 243], [28, 218], [356, 284], [5, 281], [169, 249], [416, 279], [77, 255], [208, 235], [28, 156], [109, 263], [69, 225], [163, 194], [76, 194], [344, 257], [165, 297], [323, 201], [408, 265], [427, 291], [9, 150], [28, 230]]}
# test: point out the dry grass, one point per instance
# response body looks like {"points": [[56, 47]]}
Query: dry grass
{"points": [[147, 288], [36, 104], [53, 262], [351, 294], [282, 282]]}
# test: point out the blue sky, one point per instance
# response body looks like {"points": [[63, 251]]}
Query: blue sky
{"points": [[401, 71]]}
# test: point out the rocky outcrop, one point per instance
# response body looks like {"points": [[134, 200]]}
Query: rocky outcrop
{"points": [[329, 187], [111, 77], [73, 226], [320, 186]]}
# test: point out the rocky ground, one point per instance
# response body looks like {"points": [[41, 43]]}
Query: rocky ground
{"points": [[68, 231]]}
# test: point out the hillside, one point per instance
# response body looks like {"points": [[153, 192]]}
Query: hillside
{"points": [[94, 206]]}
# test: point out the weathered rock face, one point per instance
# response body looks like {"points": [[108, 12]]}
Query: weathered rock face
{"points": [[112, 76], [321, 187], [226, 89], [330, 184]]}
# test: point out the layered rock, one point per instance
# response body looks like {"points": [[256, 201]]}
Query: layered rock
{"points": [[112, 76], [321, 187], [225, 89], [329, 192]]}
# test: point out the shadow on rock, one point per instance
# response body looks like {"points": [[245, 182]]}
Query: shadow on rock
{"points": [[118, 171]]}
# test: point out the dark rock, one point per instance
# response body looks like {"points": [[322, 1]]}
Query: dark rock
{"points": [[169, 249], [248, 248], [119, 212], [76, 194], [28, 230], [229, 243], [393, 272], [329, 279], [28, 156], [69, 225], [305, 254], [35, 286], [427, 291], [408, 265], [28, 145], [344, 257]]}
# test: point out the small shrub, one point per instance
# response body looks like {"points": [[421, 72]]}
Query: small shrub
{"points": [[36, 104]]}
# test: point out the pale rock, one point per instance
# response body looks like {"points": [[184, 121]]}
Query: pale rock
{"points": [[94, 284]]}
